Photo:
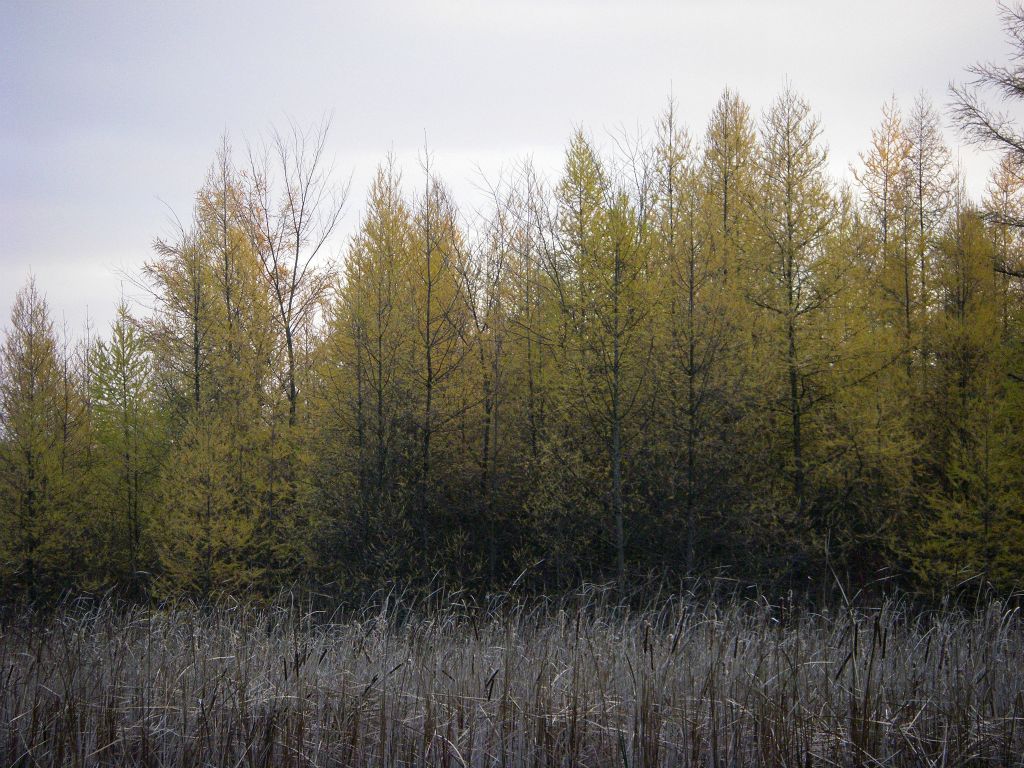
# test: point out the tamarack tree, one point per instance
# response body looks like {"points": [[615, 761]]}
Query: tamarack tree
{"points": [[677, 356]]}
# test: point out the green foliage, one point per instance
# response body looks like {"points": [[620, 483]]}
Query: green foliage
{"points": [[976, 498], [685, 357], [43, 455], [127, 433]]}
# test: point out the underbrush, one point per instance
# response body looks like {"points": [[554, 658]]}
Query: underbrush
{"points": [[573, 682]]}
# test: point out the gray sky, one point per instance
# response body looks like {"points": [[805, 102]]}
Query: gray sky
{"points": [[110, 113]]}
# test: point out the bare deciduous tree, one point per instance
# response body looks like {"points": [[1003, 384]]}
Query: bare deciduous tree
{"points": [[292, 208]]}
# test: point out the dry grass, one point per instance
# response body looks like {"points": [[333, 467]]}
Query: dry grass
{"points": [[580, 681]]}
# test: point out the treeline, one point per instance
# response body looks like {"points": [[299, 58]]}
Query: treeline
{"points": [[697, 354]]}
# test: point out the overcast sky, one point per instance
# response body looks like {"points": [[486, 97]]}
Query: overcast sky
{"points": [[110, 113]]}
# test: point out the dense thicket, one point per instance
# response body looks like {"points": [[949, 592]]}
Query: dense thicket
{"points": [[699, 353]]}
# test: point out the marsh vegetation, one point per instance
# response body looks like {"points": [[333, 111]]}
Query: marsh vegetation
{"points": [[584, 680]]}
